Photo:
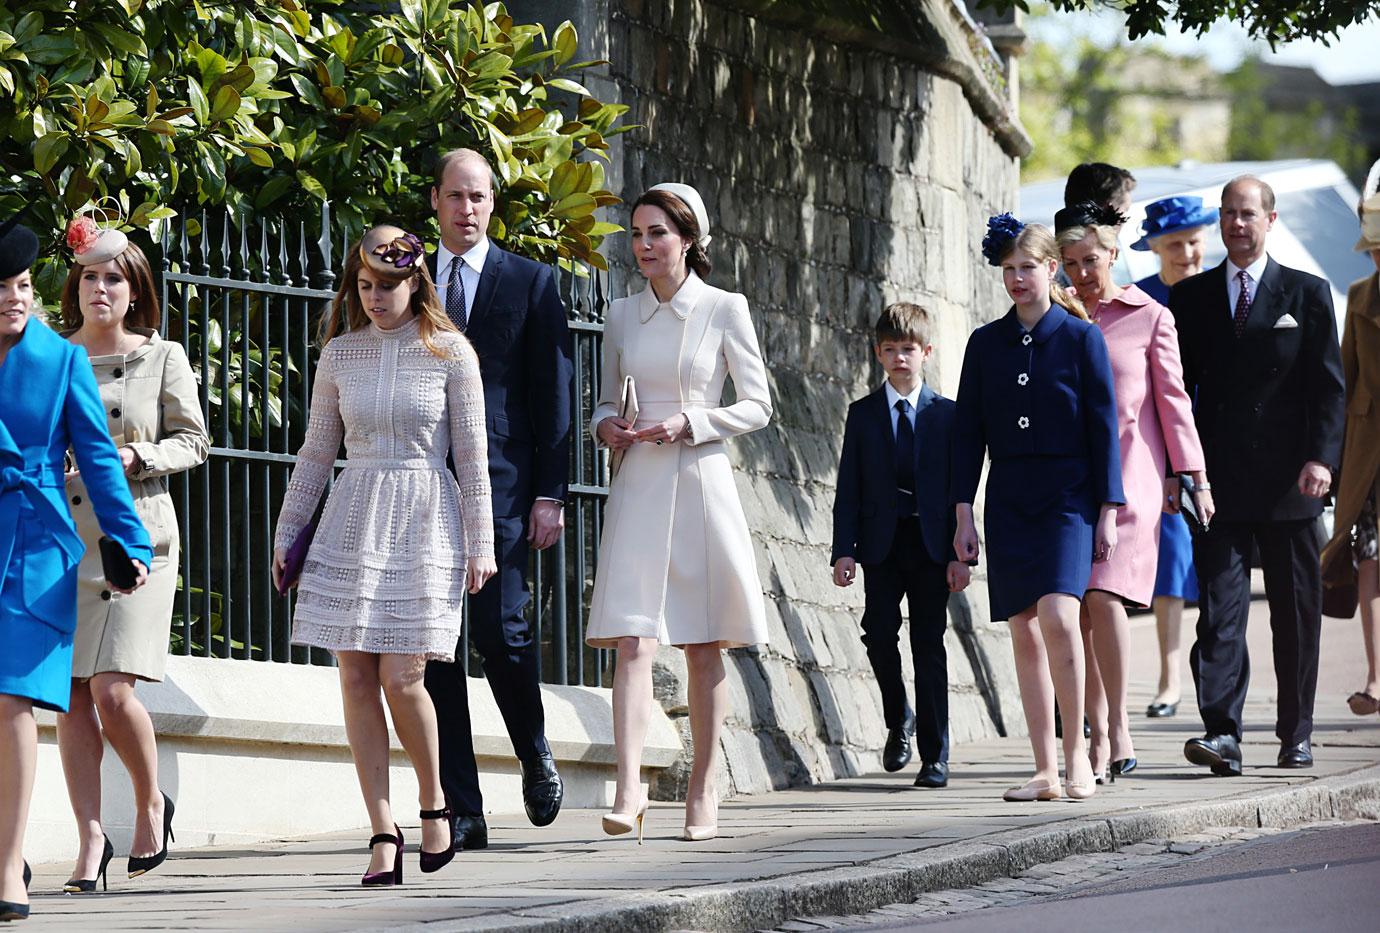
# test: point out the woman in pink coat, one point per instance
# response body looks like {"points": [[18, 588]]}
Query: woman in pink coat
{"points": [[1155, 418]]}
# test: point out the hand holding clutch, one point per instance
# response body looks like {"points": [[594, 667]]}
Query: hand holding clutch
{"points": [[627, 413]]}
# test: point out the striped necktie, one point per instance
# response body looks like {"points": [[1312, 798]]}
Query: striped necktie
{"points": [[455, 297]]}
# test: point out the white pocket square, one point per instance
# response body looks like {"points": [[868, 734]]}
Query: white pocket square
{"points": [[1286, 322]]}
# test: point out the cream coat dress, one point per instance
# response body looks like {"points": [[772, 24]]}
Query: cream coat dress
{"points": [[151, 405], [676, 562]]}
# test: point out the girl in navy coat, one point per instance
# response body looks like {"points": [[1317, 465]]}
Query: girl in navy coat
{"points": [[1036, 396], [48, 403]]}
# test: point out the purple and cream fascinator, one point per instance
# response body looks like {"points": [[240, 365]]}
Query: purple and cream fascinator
{"points": [[1001, 230], [392, 252]]}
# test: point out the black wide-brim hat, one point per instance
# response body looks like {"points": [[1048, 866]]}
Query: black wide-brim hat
{"points": [[18, 247]]}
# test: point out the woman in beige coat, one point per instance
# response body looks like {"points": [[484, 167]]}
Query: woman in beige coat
{"points": [[676, 563], [1350, 558], [153, 413]]}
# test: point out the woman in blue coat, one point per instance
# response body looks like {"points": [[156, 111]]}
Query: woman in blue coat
{"points": [[48, 403], [1036, 396]]}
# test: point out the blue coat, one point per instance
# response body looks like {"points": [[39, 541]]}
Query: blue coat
{"points": [[1043, 407], [865, 506], [518, 328], [51, 403]]}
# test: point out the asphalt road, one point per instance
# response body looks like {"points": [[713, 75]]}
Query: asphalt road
{"points": [[1325, 880]]}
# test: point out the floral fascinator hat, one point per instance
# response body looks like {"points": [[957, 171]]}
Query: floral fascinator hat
{"points": [[392, 252], [95, 236], [1001, 230]]}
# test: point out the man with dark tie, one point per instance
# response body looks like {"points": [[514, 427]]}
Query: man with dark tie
{"points": [[1260, 355], [511, 310]]}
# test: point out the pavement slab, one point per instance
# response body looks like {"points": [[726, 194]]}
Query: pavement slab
{"points": [[837, 849]]}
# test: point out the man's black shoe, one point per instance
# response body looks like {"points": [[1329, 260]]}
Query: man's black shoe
{"points": [[542, 790], [933, 774], [1299, 755], [896, 753], [468, 832], [1221, 753]]}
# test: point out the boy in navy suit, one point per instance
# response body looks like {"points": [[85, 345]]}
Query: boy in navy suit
{"points": [[892, 515]]}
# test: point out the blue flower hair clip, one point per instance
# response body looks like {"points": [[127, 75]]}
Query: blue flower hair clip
{"points": [[1001, 229]]}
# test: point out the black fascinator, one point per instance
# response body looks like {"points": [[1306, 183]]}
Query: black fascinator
{"points": [[18, 246], [1087, 214]]}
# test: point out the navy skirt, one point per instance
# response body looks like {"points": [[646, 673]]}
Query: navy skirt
{"points": [[1039, 519]]}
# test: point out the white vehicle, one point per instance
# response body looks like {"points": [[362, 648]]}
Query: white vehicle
{"points": [[1316, 230]]}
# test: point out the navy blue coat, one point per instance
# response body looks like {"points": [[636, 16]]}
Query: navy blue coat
{"points": [[518, 329], [865, 502], [1269, 401], [1043, 407]]}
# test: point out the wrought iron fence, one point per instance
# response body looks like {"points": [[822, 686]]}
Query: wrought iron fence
{"points": [[245, 299]]}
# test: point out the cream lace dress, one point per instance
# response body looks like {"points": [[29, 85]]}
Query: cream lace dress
{"points": [[385, 573]]}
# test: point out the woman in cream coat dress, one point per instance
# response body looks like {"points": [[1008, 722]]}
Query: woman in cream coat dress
{"points": [[153, 413], [676, 563]]}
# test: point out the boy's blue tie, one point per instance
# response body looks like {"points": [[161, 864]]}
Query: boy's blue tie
{"points": [[905, 459]]}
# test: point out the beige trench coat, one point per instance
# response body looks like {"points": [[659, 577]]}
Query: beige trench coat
{"points": [[676, 562], [152, 406]]}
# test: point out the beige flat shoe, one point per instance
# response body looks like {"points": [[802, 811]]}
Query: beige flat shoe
{"points": [[1035, 790], [1083, 791]]}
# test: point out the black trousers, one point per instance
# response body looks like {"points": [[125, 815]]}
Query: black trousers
{"points": [[908, 571], [1293, 587], [506, 643]]}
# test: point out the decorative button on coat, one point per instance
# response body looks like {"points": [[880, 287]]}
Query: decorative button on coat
{"points": [[1022, 379], [1023, 421], [1025, 341]]}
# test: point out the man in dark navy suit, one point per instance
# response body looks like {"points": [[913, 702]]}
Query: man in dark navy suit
{"points": [[892, 515], [1260, 357], [511, 310]]}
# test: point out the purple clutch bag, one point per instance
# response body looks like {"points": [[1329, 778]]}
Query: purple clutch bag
{"points": [[297, 556]]}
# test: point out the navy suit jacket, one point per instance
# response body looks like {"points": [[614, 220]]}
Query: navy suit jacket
{"points": [[865, 506], [518, 329], [1268, 401]]}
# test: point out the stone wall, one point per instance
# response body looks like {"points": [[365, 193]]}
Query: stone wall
{"points": [[842, 172]]}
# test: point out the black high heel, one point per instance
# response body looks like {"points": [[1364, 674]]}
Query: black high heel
{"points": [[88, 885], [1123, 766], [12, 911], [385, 878], [143, 864], [435, 861]]}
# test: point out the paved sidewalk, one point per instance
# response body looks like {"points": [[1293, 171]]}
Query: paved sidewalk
{"points": [[846, 847]]}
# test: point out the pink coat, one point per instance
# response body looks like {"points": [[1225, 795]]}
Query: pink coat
{"points": [[1154, 415]]}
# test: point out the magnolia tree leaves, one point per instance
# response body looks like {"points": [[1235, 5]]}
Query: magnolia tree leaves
{"points": [[270, 108]]}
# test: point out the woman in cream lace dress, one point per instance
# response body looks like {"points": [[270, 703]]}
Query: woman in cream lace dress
{"points": [[399, 543]]}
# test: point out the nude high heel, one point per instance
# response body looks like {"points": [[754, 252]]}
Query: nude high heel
{"points": [[701, 833], [616, 824]]}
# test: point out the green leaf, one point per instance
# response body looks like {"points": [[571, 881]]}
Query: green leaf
{"points": [[120, 40], [28, 27], [565, 84], [226, 106], [197, 98], [312, 186], [574, 205], [48, 150], [565, 43], [259, 157], [273, 189]]}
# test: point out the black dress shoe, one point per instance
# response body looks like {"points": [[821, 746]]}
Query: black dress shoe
{"points": [[468, 831], [933, 774], [542, 790], [896, 753], [1221, 753], [1299, 755], [1162, 710]]}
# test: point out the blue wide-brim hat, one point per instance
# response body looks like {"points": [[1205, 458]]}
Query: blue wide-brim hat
{"points": [[1170, 215]]}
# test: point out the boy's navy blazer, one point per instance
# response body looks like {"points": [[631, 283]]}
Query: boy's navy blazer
{"points": [[865, 500], [518, 329]]}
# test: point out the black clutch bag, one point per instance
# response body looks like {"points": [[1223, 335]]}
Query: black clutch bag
{"points": [[116, 564], [1187, 507]]}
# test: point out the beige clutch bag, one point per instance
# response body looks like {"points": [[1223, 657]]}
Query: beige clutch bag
{"points": [[627, 410]]}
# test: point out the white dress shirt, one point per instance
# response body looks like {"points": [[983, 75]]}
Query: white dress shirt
{"points": [[1254, 271], [892, 397], [471, 266]]}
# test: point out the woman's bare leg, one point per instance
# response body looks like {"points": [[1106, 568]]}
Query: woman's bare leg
{"points": [[1058, 615], [1112, 648], [129, 729], [708, 696], [1037, 693], [414, 718], [1368, 592], [1094, 694], [18, 754], [1169, 617], [367, 730], [82, 749], [632, 708]]}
